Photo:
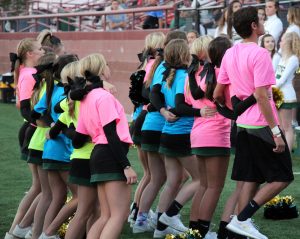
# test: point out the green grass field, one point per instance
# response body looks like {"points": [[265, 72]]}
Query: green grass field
{"points": [[15, 179]]}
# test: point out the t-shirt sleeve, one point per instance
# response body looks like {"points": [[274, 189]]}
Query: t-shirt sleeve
{"points": [[80, 128], [64, 118], [26, 87], [41, 106], [159, 14], [158, 75], [223, 74], [107, 110], [64, 105], [180, 85], [263, 72]]}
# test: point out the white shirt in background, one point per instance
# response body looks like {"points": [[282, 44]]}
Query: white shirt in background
{"points": [[274, 26], [293, 28]]}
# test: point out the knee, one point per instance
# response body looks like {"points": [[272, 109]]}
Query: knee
{"points": [[173, 183]]}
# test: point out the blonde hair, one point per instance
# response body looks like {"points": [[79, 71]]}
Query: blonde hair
{"points": [[94, 63], [70, 70], [153, 41], [176, 55], [292, 45], [24, 46], [201, 45], [45, 38], [294, 15], [44, 60]]}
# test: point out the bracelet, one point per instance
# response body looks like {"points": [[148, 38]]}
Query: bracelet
{"points": [[275, 130]]}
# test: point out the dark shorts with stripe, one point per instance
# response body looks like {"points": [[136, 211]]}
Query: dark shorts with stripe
{"points": [[175, 145], [25, 134], [255, 160], [211, 151], [104, 166], [80, 172], [136, 132], [150, 140], [55, 165], [35, 157]]}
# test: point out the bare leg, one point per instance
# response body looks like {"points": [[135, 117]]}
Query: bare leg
{"points": [[87, 197], [96, 229], [119, 209], [28, 218], [158, 177], [43, 204], [59, 195], [28, 199], [286, 118]]}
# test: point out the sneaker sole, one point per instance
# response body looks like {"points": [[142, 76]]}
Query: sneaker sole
{"points": [[240, 232], [166, 222], [137, 230]]}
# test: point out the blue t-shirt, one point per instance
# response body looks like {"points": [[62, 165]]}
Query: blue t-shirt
{"points": [[184, 124], [137, 112], [158, 14], [59, 148], [154, 120]]}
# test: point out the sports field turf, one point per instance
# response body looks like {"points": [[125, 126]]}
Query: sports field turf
{"points": [[15, 179]]}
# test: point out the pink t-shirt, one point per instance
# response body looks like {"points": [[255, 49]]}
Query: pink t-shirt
{"points": [[26, 83], [98, 109], [207, 132], [148, 69], [246, 66]]}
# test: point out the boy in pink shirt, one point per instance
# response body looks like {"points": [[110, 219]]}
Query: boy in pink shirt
{"points": [[262, 155]]}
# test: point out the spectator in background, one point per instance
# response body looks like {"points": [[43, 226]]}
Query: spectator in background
{"points": [[117, 22], [232, 8], [261, 14], [293, 18], [222, 24], [154, 19], [191, 36], [268, 42], [273, 25]]}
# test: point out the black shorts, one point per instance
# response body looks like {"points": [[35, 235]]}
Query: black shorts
{"points": [[150, 140], [35, 157], [137, 128], [175, 145], [25, 134], [104, 166], [255, 160], [55, 165], [80, 172]]}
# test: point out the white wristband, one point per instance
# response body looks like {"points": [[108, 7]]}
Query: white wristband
{"points": [[275, 130]]}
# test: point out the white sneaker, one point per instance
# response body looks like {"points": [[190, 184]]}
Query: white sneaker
{"points": [[245, 228], [44, 236], [8, 236], [131, 215], [28, 234], [162, 234], [20, 232], [173, 222], [152, 219], [211, 235], [141, 227]]}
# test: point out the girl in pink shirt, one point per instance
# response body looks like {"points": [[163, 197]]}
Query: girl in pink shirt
{"points": [[210, 135], [102, 117], [153, 42], [28, 53]]}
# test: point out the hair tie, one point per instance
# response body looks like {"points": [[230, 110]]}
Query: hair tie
{"points": [[91, 77], [13, 57]]}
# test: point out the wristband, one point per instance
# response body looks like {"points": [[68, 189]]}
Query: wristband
{"points": [[275, 130]]}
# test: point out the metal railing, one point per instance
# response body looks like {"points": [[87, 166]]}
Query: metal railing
{"points": [[77, 19]]}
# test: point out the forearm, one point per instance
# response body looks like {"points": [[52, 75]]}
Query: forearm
{"points": [[266, 109]]}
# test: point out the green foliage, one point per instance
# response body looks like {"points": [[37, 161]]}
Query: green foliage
{"points": [[14, 5]]}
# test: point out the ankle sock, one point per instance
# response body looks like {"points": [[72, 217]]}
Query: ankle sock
{"points": [[174, 209], [193, 225], [222, 232], [160, 226], [248, 211], [203, 227], [135, 213]]}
